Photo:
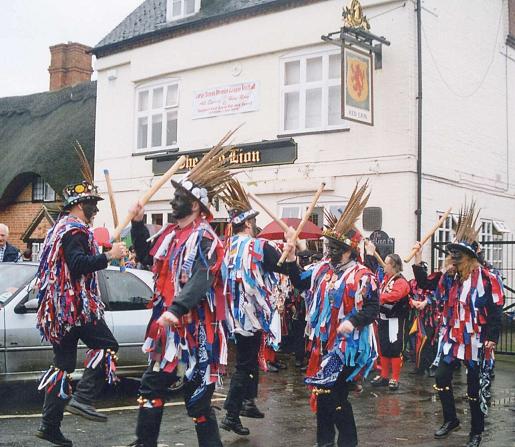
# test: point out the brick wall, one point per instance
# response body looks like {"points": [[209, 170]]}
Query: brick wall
{"points": [[20, 214]]}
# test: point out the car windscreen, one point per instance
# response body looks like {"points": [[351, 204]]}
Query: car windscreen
{"points": [[13, 277]]}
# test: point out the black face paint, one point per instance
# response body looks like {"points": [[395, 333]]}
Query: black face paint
{"points": [[89, 209], [456, 255], [335, 252], [182, 204]]}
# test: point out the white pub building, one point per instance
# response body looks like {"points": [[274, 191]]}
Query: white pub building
{"points": [[176, 75]]}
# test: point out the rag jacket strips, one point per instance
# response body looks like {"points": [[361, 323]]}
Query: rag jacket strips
{"points": [[197, 346], [65, 302], [465, 313], [250, 290], [337, 296]]}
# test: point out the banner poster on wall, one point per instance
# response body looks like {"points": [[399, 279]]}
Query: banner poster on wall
{"points": [[357, 86]]}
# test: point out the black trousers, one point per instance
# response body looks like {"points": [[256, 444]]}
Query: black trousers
{"points": [[443, 377], [427, 354], [298, 341], [335, 410], [95, 335], [389, 349], [244, 381]]}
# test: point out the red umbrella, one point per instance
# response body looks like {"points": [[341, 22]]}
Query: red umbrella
{"points": [[274, 232]]}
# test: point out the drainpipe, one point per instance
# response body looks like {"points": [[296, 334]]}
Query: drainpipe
{"points": [[418, 212]]}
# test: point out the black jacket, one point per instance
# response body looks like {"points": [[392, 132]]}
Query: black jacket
{"points": [[11, 253], [77, 257]]}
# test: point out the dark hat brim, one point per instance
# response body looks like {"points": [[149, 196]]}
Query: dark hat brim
{"points": [[203, 207], [77, 200], [464, 248], [338, 241]]}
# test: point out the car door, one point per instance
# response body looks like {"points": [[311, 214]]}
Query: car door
{"points": [[25, 353], [128, 296], [2, 339]]}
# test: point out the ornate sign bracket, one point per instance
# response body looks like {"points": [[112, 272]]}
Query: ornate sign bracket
{"points": [[356, 32]]}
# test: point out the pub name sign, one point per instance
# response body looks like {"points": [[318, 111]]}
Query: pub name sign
{"points": [[266, 153]]}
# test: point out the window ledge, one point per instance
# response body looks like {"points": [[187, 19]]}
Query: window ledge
{"points": [[156, 152], [314, 132]]}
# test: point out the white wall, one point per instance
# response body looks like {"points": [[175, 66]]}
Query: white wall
{"points": [[465, 139]]}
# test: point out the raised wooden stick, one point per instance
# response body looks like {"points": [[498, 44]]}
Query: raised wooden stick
{"points": [[113, 211], [428, 235], [149, 194], [302, 223], [379, 259], [276, 219]]}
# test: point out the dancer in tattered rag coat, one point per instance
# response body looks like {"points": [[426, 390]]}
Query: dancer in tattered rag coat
{"points": [[251, 287], [70, 309], [185, 335], [343, 305]]}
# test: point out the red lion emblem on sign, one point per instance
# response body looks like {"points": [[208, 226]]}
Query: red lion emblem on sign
{"points": [[357, 77]]}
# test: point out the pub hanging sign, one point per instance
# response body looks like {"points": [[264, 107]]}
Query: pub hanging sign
{"points": [[266, 153]]}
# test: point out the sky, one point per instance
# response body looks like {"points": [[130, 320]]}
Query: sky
{"points": [[29, 27]]}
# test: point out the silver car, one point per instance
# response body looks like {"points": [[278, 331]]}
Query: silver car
{"points": [[22, 354]]}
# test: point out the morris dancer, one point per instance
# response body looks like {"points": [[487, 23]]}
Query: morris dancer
{"points": [[249, 275], [185, 334], [344, 304], [472, 306], [393, 298], [70, 309]]}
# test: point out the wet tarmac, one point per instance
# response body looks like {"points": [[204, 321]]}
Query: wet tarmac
{"points": [[405, 418]]}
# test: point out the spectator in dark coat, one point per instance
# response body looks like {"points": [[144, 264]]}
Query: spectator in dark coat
{"points": [[8, 252]]}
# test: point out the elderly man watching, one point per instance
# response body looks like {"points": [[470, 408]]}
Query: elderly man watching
{"points": [[8, 253]]}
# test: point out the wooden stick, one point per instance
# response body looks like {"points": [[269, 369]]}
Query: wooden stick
{"points": [[379, 259], [276, 219], [302, 223], [428, 235], [113, 210], [150, 193]]}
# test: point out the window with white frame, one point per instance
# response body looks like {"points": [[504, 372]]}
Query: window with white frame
{"points": [[178, 9], [311, 91], [443, 236], [158, 217], [42, 191], [157, 107]]}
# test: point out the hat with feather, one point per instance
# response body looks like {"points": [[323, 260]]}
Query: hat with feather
{"points": [[85, 190], [343, 230], [237, 203], [466, 239], [208, 177]]}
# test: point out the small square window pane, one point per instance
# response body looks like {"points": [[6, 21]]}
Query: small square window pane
{"points": [[143, 101], [189, 6], [292, 73], [157, 98], [314, 69], [172, 95], [142, 132], [176, 8], [291, 110], [334, 66], [157, 219], [313, 108], [171, 128], [157, 130], [335, 107]]}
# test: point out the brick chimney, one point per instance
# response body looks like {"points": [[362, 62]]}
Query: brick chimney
{"points": [[70, 64]]}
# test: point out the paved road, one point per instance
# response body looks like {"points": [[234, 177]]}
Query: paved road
{"points": [[388, 419]]}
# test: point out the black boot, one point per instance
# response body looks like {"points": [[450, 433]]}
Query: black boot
{"points": [[147, 428], [447, 428], [54, 435], [250, 410], [232, 422], [325, 420], [474, 440], [208, 434], [53, 409]]}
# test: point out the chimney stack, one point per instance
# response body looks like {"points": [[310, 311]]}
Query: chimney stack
{"points": [[70, 64]]}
